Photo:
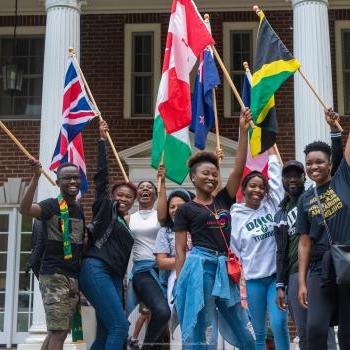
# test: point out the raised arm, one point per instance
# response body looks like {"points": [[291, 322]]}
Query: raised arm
{"points": [[337, 145], [162, 208], [27, 206], [275, 176], [101, 177], [234, 179]]}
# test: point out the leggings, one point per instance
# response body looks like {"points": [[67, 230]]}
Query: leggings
{"points": [[261, 294], [150, 293], [323, 304]]}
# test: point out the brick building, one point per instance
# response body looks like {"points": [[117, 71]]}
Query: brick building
{"points": [[111, 39]]}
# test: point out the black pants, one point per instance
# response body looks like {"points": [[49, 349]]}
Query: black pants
{"points": [[324, 303], [150, 293]]}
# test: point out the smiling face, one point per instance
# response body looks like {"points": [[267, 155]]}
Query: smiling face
{"points": [[146, 195], [174, 203], [254, 192], [293, 182], [318, 167], [68, 180], [125, 196], [205, 178]]}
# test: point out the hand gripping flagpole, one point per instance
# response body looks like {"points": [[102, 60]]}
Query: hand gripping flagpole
{"points": [[24, 150], [307, 81], [216, 119], [98, 113], [249, 76]]}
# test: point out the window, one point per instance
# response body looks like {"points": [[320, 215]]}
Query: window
{"points": [[239, 42], [342, 40], [29, 52], [141, 69]]}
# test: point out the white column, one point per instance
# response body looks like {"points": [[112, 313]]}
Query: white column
{"points": [[62, 32], [312, 49]]}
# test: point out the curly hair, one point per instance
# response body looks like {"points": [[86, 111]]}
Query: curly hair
{"points": [[253, 174], [318, 146], [125, 184], [200, 158]]}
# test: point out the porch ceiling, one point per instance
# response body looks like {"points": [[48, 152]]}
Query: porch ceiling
{"points": [[123, 6]]}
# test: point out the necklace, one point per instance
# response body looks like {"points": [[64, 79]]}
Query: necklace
{"points": [[216, 215]]}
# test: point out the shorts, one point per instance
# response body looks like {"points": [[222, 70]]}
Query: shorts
{"points": [[60, 297], [143, 309]]}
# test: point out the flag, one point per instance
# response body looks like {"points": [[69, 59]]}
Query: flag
{"points": [[260, 162], [273, 65], [77, 111], [187, 37], [202, 102]]}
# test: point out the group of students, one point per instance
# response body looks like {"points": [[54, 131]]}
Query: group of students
{"points": [[179, 251]]}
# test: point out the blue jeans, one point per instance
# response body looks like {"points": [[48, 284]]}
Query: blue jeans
{"points": [[261, 294], [104, 292]]}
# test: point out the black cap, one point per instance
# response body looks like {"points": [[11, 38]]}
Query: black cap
{"points": [[293, 164]]}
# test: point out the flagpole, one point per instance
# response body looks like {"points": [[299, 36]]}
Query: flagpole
{"points": [[257, 11], [98, 113], [24, 150]]}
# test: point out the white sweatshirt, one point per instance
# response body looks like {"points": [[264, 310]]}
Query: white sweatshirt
{"points": [[252, 236]]}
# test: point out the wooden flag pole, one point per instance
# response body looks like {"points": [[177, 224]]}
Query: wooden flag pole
{"points": [[24, 150], [98, 113], [318, 97], [257, 10]]}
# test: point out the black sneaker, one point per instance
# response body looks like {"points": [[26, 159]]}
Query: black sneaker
{"points": [[133, 343]]}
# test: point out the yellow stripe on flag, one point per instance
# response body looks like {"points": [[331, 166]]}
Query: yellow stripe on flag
{"points": [[266, 110], [255, 141], [275, 68]]}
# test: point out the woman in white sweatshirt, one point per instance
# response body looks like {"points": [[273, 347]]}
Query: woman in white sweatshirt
{"points": [[253, 241]]}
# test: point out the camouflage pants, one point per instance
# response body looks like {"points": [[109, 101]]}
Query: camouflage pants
{"points": [[60, 297]]}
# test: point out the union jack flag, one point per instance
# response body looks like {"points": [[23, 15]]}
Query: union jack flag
{"points": [[77, 111]]}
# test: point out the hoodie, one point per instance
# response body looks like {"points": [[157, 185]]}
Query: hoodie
{"points": [[252, 233]]}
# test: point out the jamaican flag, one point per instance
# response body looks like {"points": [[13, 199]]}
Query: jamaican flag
{"points": [[273, 64]]}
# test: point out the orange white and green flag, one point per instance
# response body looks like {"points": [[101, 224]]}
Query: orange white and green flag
{"points": [[187, 37]]}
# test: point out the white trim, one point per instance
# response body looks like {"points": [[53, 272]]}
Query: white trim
{"points": [[25, 31], [339, 26], [128, 30], [227, 28]]}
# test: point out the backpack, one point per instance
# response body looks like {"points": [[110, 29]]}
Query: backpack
{"points": [[39, 235]]}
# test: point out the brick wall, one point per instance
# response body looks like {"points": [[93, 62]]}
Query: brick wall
{"points": [[102, 46]]}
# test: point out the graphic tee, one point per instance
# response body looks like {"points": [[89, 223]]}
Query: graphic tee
{"points": [[334, 197], [293, 238], [202, 224], [53, 258]]}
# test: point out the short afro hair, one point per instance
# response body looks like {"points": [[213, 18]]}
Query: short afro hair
{"points": [[200, 158], [125, 184], [65, 165], [318, 146], [152, 184]]}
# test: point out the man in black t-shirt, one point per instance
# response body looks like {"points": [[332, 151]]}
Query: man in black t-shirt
{"points": [[58, 277], [334, 194]]}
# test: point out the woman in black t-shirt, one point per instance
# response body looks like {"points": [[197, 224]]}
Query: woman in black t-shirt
{"points": [[105, 263], [203, 285], [333, 194]]}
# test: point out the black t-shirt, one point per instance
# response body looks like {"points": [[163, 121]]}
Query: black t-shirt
{"points": [[53, 258], [202, 224], [335, 200]]}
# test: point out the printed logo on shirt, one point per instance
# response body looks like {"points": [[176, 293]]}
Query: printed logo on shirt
{"points": [[223, 220], [291, 220], [261, 227], [330, 202]]}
